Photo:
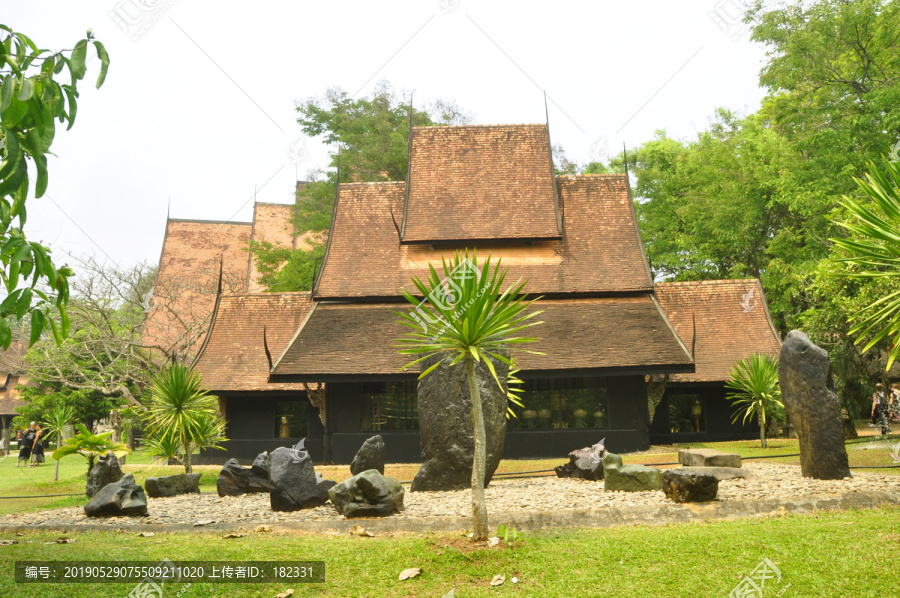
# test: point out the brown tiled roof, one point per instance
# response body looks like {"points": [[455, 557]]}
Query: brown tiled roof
{"points": [[480, 182], [233, 358], [189, 271], [272, 224], [340, 339], [732, 318], [9, 394], [11, 359], [600, 251]]}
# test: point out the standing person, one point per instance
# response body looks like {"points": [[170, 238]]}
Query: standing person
{"points": [[894, 404], [879, 410], [37, 449], [26, 443]]}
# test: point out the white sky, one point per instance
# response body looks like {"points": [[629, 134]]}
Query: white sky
{"points": [[198, 107]]}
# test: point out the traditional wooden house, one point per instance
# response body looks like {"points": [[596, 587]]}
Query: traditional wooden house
{"points": [[575, 240], [606, 326]]}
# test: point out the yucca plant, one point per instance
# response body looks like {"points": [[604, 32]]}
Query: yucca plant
{"points": [[181, 412], [755, 378], [90, 446], [874, 247], [55, 423], [468, 317]]}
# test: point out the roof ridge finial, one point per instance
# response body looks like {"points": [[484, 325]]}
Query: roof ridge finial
{"points": [[546, 110]]}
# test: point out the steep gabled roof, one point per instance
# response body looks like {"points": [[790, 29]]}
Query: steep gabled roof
{"points": [[271, 224], [732, 321], [189, 273], [233, 357], [482, 182], [611, 334], [600, 251]]}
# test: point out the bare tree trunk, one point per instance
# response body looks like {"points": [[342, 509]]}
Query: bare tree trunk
{"points": [[479, 508], [762, 426]]}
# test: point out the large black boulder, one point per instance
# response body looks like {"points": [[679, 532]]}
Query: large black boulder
{"points": [[173, 485], [106, 471], [293, 482], [118, 498], [369, 456], [235, 480], [812, 406], [445, 423], [367, 494], [689, 487], [584, 463]]}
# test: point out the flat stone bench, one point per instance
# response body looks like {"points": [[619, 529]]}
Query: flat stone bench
{"points": [[708, 458]]}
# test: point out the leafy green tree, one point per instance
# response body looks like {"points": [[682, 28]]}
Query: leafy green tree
{"points": [[90, 446], [38, 401], [469, 326], [372, 136], [755, 380], [30, 101], [55, 424], [181, 413]]}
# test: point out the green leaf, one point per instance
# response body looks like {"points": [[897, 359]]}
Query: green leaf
{"points": [[6, 91], [38, 320], [40, 184], [104, 63], [76, 62], [26, 89], [5, 335], [13, 113]]}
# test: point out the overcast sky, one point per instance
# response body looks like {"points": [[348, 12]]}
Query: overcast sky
{"points": [[198, 107]]}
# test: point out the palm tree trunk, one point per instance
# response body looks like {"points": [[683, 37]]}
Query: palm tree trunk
{"points": [[762, 425], [479, 508], [58, 441], [187, 458]]}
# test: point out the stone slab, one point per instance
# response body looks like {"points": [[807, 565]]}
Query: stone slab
{"points": [[720, 473], [708, 458]]}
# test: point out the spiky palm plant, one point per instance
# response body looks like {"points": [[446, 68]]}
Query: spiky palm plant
{"points": [[874, 247], [755, 378], [467, 316], [55, 423], [180, 412], [90, 446]]}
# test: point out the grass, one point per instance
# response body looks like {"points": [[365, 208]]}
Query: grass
{"points": [[818, 555]]}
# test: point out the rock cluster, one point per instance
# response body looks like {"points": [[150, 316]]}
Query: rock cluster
{"points": [[235, 480], [123, 497], [367, 494], [106, 471], [445, 423], [688, 487], [629, 478], [811, 403], [369, 456], [584, 463], [708, 458], [294, 483], [172, 485]]}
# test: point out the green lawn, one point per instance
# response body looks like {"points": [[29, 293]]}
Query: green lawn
{"points": [[828, 554]]}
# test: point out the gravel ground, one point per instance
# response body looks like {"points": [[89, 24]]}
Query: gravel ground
{"points": [[767, 480]]}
